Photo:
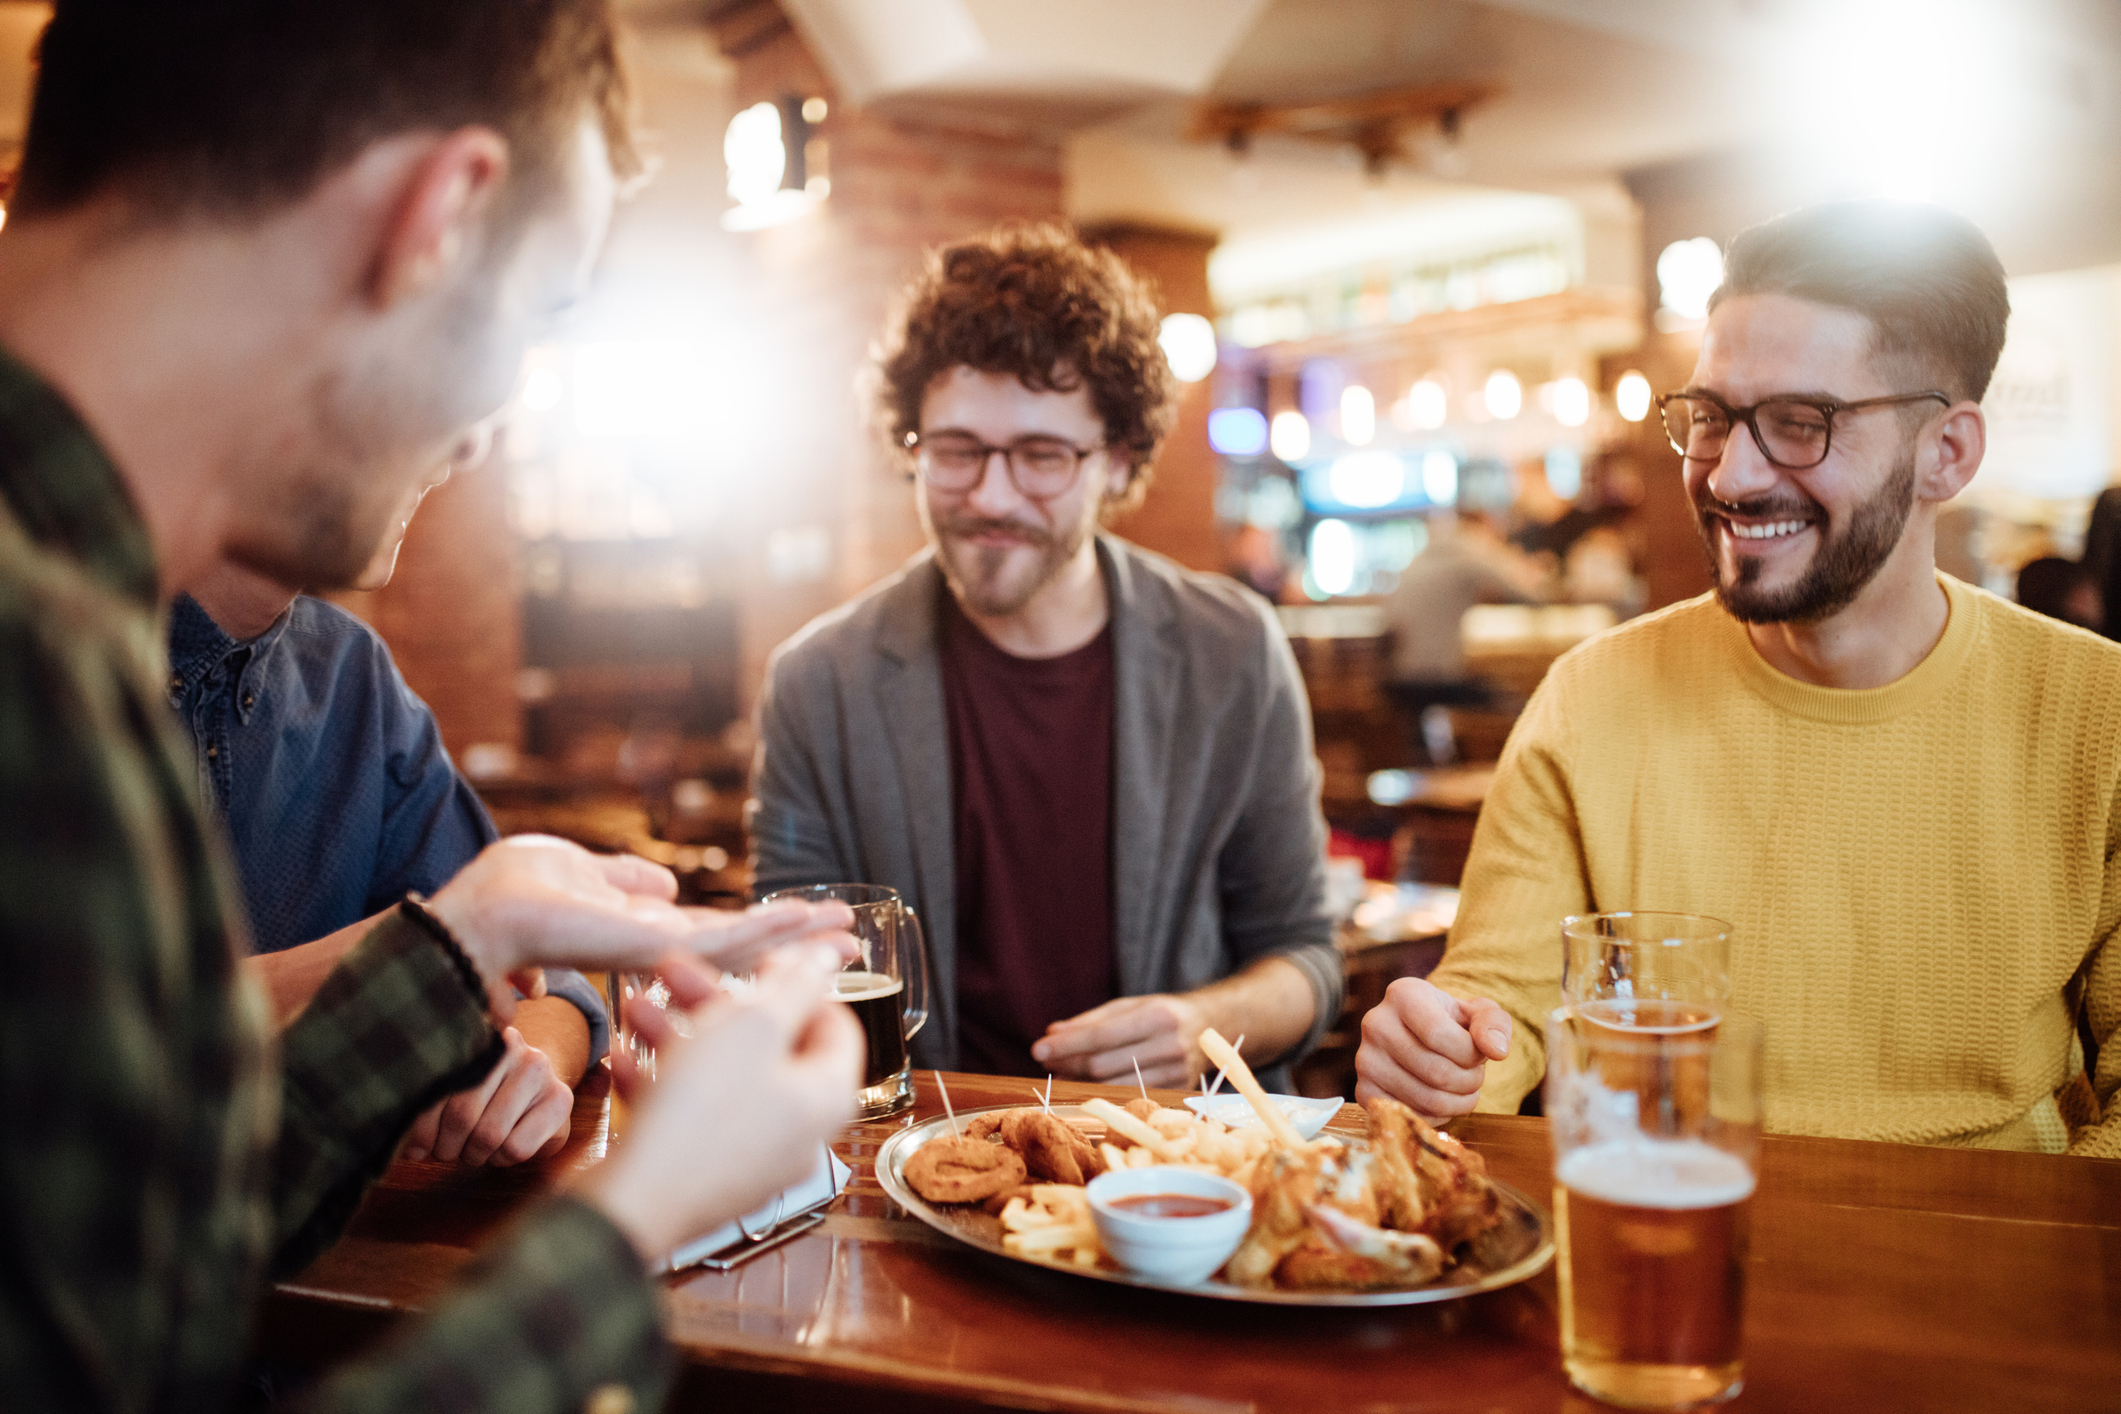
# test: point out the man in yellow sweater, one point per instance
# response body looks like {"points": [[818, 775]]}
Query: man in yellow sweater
{"points": [[1901, 790]]}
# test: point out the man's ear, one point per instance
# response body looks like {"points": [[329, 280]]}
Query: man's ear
{"points": [[443, 201], [1958, 444]]}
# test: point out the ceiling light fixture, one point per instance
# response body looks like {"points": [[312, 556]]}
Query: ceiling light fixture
{"points": [[1378, 125]]}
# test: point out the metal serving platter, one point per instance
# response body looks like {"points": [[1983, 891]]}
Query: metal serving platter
{"points": [[976, 1228]]}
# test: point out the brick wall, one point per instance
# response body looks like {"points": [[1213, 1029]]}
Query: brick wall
{"points": [[451, 614], [820, 291]]}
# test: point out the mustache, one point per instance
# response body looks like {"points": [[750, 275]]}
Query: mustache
{"points": [[1760, 508], [987, 525]]}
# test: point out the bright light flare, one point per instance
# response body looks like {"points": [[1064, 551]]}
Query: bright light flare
{"points": [[1439, 478], [1428, 405], [1910, 95], [756, 157], [1688, 272], [1333, 556], [1631, 396], [1290, 436], [640, 388], [1237, 432], [1367, 480], [1570, 401], [1358, 415], [1188, 342], [1503, 395]]}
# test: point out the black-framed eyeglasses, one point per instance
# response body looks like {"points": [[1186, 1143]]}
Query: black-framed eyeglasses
{"points": [[1793, 433], [1039, 467]]}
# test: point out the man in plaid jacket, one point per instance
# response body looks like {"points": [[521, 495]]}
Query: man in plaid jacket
{"points": [[265, 264]]}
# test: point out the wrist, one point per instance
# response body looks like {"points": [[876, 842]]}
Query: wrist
{"points": [[608, 1187], [445, 918]]}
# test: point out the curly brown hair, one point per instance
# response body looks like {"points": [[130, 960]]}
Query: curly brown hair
{"points": [[1033, 301]]}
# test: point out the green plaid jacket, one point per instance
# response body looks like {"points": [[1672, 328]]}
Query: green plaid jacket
{"points": [[161, 1162]]}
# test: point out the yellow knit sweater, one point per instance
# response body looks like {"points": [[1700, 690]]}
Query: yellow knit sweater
{"points": [[1916, 872]]}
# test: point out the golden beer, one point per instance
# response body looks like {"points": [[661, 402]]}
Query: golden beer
{"points": [[1651, 1243]]}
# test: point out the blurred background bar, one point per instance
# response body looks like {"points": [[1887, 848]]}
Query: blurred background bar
{"points": [[1424, 263]]}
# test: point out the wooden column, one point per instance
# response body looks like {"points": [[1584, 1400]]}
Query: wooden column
{"points": [[1178, 518]]}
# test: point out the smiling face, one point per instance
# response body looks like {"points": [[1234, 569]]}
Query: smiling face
{"points": [[1800, 546], [998, 547]]}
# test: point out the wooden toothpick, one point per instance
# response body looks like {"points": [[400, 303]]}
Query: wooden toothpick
{"points": [[944, 1091]]}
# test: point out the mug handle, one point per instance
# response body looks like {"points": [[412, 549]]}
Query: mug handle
{"points": [[915, 965]]}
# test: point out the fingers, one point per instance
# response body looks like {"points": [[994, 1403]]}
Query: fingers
{"points": [[541, 1129], [636, 875], [1103, 1029], [461, 1111], [1435, 1018], [1158, 1053], [794, 981], [1489, 1025], [736, 942], [420, 1139], [510, 1105], [692, 982], [1415, 1050]]}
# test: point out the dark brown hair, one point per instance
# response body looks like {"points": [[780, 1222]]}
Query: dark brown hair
{"points": [[1034, 302], [235, 107], [1926, 278]]}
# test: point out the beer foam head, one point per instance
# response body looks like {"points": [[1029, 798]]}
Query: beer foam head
{"points": [[861, 986], [1656, 1173]]}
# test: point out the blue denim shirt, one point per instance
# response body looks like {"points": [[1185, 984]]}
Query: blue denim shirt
{"points": [[330, 776]]}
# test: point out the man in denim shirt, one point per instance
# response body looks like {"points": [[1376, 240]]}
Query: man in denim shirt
{"points": [[339, 798]]}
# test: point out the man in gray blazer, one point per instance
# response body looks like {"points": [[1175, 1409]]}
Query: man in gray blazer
{"points": [[1089, 769]]}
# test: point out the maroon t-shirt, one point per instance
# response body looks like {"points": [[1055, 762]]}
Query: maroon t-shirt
{"points": [[1031, 777]]}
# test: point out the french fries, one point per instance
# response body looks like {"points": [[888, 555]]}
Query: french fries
{"points": [[1225, 1055], [1054, 1225]]}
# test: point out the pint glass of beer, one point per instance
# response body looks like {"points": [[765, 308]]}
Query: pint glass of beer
{"points": [[887, 986], [1656, 1131]]}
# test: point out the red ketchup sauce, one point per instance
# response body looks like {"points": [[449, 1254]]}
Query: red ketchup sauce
{"points": [[1171, 1205]]}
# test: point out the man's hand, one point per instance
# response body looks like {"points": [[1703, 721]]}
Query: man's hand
{"points": [[522, 1110], [1161, 1031], [1429, 1049], [740, 1105], [532, 899]]}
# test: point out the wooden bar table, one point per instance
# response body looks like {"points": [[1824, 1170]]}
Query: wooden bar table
{"points": [[1882, 1277]]}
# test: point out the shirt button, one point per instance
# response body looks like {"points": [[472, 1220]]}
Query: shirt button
{"points": [[249, 698], [213, 753], [610, 1399], [176, 682]]}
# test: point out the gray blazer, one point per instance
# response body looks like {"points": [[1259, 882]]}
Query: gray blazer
{"points": [[1218, 847]]}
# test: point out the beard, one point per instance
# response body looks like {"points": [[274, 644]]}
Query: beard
{"points": [[998, 581], [1843, 564], [372, 432]]}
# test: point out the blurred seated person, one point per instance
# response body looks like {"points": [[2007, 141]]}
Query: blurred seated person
{"points": [[339, 799], [1254, 559], [1465, 562], [1903, 793], [1600, 569], [2061, 589], [1089, 769]]}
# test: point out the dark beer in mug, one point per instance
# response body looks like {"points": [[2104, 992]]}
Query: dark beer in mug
{"points": [[879, 1003]]}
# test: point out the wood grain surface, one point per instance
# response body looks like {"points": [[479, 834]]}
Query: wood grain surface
{"points": [[1882, 1277]]}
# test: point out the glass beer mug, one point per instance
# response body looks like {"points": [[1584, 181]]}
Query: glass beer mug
{"points": [[886, 985]]}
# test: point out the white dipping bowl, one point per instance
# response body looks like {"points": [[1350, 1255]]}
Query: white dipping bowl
{"points": [[1175, 1251], [1308, 1115]]}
